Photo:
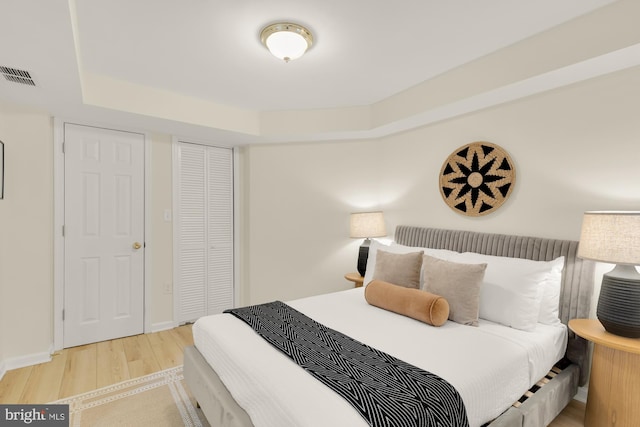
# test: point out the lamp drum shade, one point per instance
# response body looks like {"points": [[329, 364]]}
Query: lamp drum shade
{"points": [[367, 224], [611, 236], [614, 237]]}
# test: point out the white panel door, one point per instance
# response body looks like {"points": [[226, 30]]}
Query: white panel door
{"points": [[104, 234], [205, 231]]}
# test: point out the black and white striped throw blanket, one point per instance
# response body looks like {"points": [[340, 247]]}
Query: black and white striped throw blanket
{"points": [[384, 390]]}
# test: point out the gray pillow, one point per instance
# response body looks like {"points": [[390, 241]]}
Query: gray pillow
{"points": [[459, 284], [399, 269]]}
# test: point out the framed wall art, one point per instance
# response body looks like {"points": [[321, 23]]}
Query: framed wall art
{"points": [[477, 178], [1, 170]]}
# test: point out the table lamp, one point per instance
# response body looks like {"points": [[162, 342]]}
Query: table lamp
{"points": [[614, 237], [366, 225]]}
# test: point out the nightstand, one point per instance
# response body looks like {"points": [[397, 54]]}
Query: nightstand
{"points": [[355, 278], [614, 384]]}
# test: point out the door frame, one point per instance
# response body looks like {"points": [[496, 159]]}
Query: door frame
{"points": [[58, 222], [235, 156]]}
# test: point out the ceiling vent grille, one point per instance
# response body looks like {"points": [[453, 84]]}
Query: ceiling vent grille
{"points": [[17, 76]]}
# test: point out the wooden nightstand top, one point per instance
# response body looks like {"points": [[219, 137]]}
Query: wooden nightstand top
{"points": [[593, 330], [355, 278], [614, 383]]}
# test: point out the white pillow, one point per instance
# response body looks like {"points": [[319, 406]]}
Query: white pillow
{"points": [[396, 248], [550, 304], [443, 254], [512, 290]]}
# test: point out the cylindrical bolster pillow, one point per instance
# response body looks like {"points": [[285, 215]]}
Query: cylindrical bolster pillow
{"points": [[414, 303]]}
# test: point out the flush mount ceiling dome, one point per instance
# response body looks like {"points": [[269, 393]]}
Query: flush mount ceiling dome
{"points": [[286, 40]]}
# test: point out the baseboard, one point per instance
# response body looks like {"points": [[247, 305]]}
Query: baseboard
{"points": [[581, 395], [162, 326], [22, 361], [3, 369]]}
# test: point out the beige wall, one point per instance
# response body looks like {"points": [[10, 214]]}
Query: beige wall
{"points": [[26, 242], [160, 243], [26, 234], [576, 149]]}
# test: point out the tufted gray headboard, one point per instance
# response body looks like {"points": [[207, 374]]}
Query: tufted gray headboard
{"points": [[577, 278]]}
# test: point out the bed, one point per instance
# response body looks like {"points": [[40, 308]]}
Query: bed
{"points": [[226, 343]]}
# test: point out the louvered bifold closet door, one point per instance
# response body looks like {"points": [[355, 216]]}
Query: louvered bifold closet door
{"points": [[192, 253], [205, 231], [220, 230]]}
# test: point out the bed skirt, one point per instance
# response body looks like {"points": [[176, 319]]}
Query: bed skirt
{"points": [[211, 394], [222, 410]]}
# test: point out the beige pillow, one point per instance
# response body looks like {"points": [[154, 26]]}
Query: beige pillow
{"points": [[459, 284], [399, 269]]}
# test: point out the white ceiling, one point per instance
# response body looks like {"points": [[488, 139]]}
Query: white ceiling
{"points": [[362, 54], [151, 63]]}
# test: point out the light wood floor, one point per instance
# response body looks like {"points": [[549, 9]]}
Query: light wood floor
{"points": [[89, 367], [572, 416], [80, 369]]}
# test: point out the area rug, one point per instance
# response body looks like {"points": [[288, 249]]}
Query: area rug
{"points": [[158, 400]]}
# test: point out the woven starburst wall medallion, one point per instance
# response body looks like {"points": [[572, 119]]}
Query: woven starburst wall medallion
{"points": [[477, 178]]}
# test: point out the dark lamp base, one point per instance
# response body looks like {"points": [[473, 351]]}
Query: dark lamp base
{"points": [[363, 256], [619, 302]]}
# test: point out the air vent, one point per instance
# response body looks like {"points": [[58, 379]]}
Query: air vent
{"points": [[17, 76]]}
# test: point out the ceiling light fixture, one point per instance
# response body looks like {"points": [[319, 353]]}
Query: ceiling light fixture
{"points": [[286, 40]]}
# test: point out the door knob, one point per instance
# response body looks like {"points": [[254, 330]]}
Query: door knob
{"points": [[137, 245]]}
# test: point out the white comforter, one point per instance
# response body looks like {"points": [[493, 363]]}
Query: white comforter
{"points": [[491, 366]]}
